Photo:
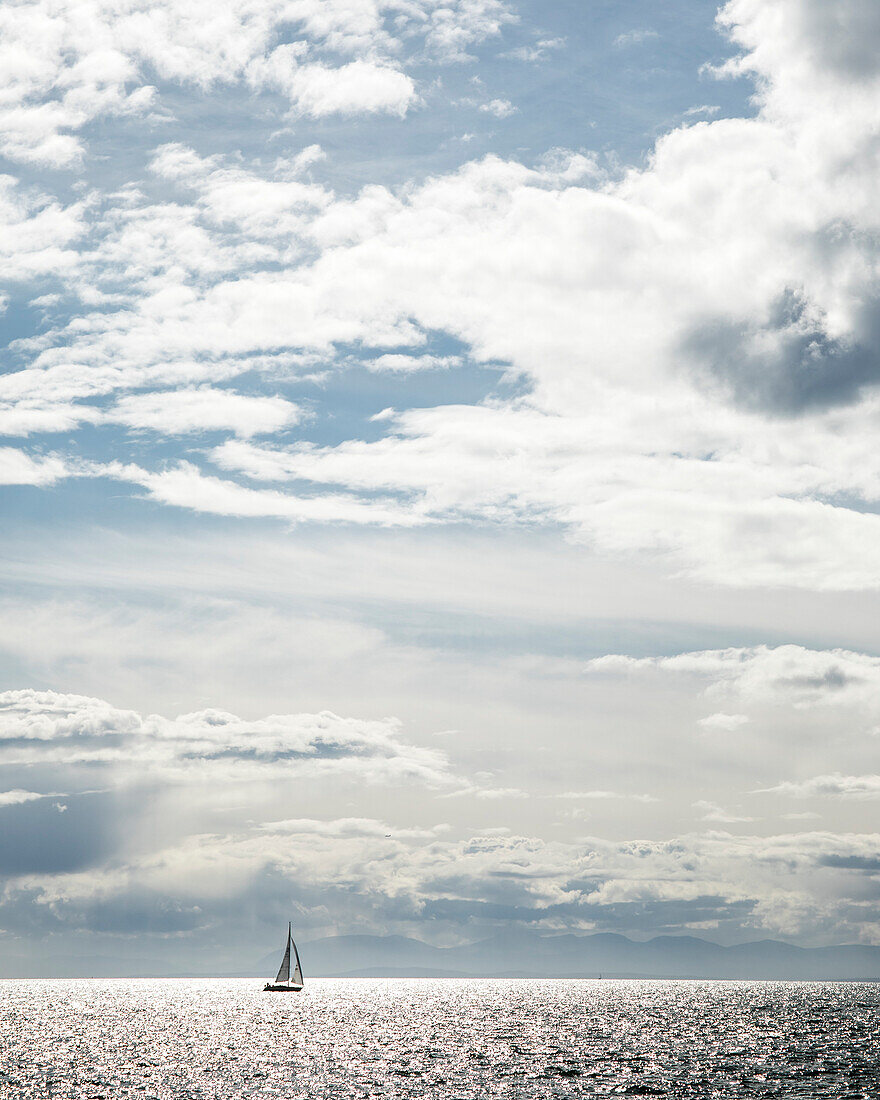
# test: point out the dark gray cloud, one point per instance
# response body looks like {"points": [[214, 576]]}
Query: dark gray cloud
{"points": [[656, 916], [56, 835], [832, 679], [142, 912], [789, 365], [648, 917], [868, 864]]}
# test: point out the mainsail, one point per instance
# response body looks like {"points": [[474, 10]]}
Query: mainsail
{"points": [[283, 974]]}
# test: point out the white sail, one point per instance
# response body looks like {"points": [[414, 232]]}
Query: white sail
{"points": [[297, 978], [284, 970]]}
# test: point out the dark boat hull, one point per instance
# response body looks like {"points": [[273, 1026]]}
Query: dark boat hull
{"points": [[270, 988]]}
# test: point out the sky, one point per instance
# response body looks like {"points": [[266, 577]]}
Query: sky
{"points": [[439, 472]]}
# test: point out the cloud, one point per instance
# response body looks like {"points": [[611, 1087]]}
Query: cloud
{"points": [[829, 786], [466, 885], [803, 677], [408, 363], [690, 363], [44, 727], [837, 43], [605, 795], [787, 362], [726, 723], [360, 87], [188, 411], [730, 338], [42, 837], [39, 234], [350, 828], [185, 486], [713, 812], [454, 27], [64, 65], [719, 423], [270, 207], [18, 468], [533, 473], [16, 797], [538, 52], [157, 645], [635, 37], [23, 418], [491, 794], [500, 108], [704, 109]]}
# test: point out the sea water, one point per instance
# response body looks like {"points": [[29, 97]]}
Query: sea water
{"points": [[438, 1038]]}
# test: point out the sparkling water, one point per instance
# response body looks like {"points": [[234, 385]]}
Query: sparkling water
{"points": [[438, 1038]]}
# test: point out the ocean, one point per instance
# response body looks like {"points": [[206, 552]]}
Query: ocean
{"points": [[443, 1038]]}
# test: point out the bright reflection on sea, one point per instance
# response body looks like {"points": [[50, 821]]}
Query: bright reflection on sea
{"points": [[441, 1038]]}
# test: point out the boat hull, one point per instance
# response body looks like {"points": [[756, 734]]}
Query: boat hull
{"points": [[270, 988]]}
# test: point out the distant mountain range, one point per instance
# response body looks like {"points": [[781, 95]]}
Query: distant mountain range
{"points": [[515, 954], [529, 955]]}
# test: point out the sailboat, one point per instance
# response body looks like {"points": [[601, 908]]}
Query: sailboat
{"points": [[285, 982]]}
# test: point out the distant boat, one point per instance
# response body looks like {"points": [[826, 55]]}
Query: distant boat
{"points": [[285, 982]]}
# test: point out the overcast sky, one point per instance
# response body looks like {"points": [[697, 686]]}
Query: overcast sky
{"points": [[440, 471]]}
